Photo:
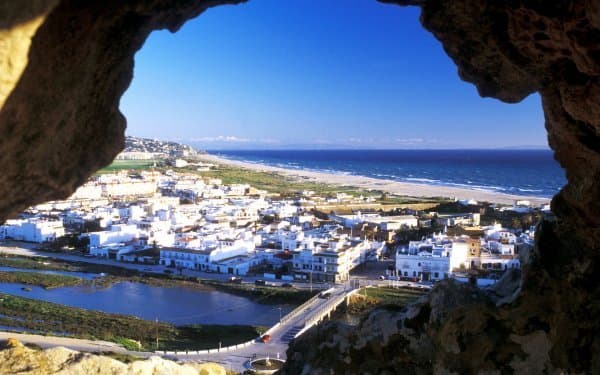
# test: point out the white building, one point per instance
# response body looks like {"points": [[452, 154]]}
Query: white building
{"points": [[394, 222], [425, 266], [32, 230], [329, 261], [90, 190], [184, 258], [180, 163], [125, 188], [212, 257], [117, 234]]}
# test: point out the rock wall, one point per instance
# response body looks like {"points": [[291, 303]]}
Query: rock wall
{"points": [[18, 359], [547, 319], [72, 60], [64, 65]]}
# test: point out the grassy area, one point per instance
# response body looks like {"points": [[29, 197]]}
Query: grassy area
{"points": [[118, 165], [46, 281], [274, 182], [126, 330], [158, 280], [209, 336], [36, 263], [391, 298], [50, 317], [264, 294], [42, 263]]}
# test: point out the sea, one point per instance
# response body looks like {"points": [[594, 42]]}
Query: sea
{"points": [[519, 172]]}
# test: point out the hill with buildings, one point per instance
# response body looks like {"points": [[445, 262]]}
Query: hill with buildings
{"points": [[145, 148]]}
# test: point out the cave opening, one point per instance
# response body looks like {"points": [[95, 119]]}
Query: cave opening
{"points": [[61, 119]]}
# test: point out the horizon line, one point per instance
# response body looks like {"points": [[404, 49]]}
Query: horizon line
{"points": [[507, 148]]}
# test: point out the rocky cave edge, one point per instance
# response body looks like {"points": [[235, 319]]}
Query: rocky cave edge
{"points": [[64, 65]]}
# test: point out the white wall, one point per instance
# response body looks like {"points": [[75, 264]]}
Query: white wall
{"points": [[459, 255]]}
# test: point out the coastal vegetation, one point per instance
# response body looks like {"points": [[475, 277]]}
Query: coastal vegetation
{"points": [[200, 337], [50, 264], [274, 182], [50, 318], [287, 186], [36, 263], [490, 215], [385, 297], [46, 281], [264, 294]]}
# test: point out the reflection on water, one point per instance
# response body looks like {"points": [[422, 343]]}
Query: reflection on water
{"points": [[174, 305]]}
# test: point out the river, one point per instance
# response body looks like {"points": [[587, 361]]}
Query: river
{"points": [[178, 306]]}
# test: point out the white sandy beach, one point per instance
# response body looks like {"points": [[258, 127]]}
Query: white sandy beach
{"points": [[390, 186]]}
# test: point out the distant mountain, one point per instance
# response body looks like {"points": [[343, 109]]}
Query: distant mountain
{"points": [[171, 149]]}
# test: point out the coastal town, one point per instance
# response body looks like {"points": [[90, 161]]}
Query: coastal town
{"points": [[165, 215], [185, 221]]}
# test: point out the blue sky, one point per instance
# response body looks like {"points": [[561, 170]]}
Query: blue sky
{"points": [[308, 74]]}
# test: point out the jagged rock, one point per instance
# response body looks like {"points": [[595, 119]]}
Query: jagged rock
{"points": [[17, 359], [64, 65], [548, 320]]}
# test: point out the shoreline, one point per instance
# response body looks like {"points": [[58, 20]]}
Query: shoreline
{"points": [[390, 186]]}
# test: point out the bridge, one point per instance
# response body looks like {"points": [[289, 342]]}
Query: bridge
{"points": [[282, 333]]}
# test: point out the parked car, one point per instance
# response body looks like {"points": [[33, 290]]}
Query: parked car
{"points": [[324, 295], [287, 285], [168, 272], [235, 280], [260, 282], [381, 277], [265, 338]]}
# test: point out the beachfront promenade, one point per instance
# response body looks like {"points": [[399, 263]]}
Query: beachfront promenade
{"points": [[291, 326]]}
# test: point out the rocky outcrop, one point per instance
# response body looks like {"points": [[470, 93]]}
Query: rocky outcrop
{"points": [[18, 359], [71, 62], [65, 63], [550, 323]]}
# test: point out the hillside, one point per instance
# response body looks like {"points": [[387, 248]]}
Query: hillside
{"points": [[169, 149]]}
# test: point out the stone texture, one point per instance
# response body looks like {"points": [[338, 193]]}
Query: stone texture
{"points": [[60, 120], [18, 359], [64, 65], [549, 320]]}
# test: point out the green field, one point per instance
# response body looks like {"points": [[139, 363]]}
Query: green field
{"points": [[119, 165]]}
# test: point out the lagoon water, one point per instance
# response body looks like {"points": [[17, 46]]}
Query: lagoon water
{"points": [[179, 306]]}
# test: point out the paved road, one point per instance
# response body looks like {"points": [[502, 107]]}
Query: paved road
{"points": [[281, 335]]}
